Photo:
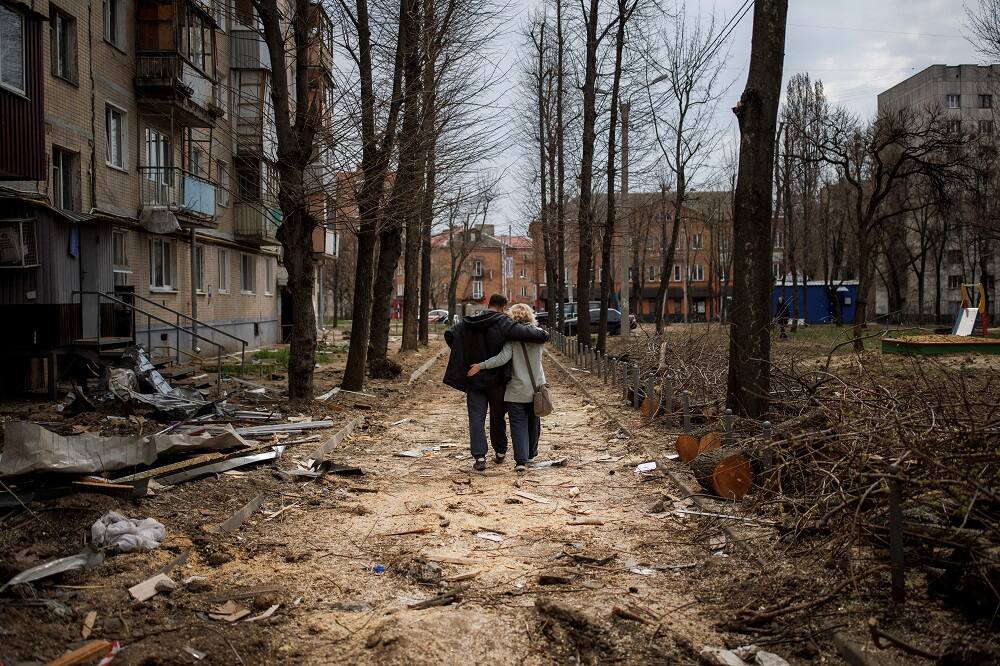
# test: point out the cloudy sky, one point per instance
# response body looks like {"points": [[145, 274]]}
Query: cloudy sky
{"points": [[857, 47]]}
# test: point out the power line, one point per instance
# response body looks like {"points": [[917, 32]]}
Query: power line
{"points": [[886, 32]]}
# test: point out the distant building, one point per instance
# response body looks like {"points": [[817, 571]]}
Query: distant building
{"points": [[968, 96]]}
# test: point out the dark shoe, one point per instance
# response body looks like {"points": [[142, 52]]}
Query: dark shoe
{"points": [[498, 458], [520, 468], [479, 465]]}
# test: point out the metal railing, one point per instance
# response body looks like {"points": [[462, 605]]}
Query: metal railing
{"points": [[176, 326], [177, 189], [194, 324], [172, 70]]}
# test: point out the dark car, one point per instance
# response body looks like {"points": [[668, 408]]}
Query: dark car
{"points": [[569, 312], [614, 322]]}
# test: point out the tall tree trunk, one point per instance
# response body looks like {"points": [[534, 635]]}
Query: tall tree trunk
{"points": [[561, 158], [412, 164], [543, 210], [667, 263], [374, 168], [585, 213], [756, 112], [865, 271], [607, 278], [404, 203]]}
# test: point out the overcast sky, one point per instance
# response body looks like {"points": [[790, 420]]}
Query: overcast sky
{"points": [[857, 47]]}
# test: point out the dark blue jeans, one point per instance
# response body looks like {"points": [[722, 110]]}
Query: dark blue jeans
{"points": [[477, 403], [525, 429]]}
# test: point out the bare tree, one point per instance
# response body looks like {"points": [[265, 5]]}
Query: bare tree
{"points": [[690, 67], [983, 22], [756, 112]]}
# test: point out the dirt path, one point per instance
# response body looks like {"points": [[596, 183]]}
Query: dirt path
{"points": [[345, 611], [538, 563]]}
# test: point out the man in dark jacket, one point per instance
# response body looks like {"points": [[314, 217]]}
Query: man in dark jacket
{"points": [[473, 340]]}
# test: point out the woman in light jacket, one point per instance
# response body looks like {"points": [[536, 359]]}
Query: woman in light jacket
{"points": [[519, 398]]}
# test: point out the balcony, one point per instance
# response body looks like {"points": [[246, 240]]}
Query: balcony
{"points": [[178, 191], [249, 50], [325, 242], [167, 78], [257, 223]]}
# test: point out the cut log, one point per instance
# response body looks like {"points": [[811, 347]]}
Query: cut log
{"points": [[687, 447], [724, 471], [709, 442], [650, 406]]}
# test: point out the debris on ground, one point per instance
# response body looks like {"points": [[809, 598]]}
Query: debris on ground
{"points": [[113, 531]]}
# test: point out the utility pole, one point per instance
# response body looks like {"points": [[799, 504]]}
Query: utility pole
{"points": [[623, 271]]}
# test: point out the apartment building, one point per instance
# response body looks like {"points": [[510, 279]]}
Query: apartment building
{"points": [[487, 263], [137, 165], [697, 278], [968, 96]]}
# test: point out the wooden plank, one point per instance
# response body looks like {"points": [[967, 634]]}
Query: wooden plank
{"points": [[449, 559], [532, 496], [83, 654], [147, 588]]}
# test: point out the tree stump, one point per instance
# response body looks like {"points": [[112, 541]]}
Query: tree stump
{"points": [[650, 405], [709, 442], [690, 444], [687, 447], [725, 471]]}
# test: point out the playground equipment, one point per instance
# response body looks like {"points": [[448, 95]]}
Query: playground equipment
{"points": [[961, 340]]}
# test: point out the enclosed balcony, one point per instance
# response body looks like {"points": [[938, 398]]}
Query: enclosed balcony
{"points": [[257, 223], [175, 62], [176, 190]]}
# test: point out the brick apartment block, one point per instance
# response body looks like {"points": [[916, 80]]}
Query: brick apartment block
{"points": [[137, 165]]}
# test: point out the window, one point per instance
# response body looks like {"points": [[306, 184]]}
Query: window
{"points": [[62, 39], [477, 268], [220, 10], [114, 126], [524, 290], [248, 273], [776, 269], [953, 126], [114, 23], [222, 184], [677, 273], [986, 127], [524, 273], [65, 176], [953, 101], [11, 50], [119, 258], [652, 272], [986, 101], [199, 268], [779, 239], [955, 281], [223, 271], [161, 264], [696, 241], [477, 289], [268, 276], [954, 256], [697, 272]]}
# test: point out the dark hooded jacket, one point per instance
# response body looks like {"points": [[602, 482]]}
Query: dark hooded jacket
{"points": [[479, 337]]}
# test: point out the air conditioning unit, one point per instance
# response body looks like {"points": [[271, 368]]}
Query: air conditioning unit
{"points": [[18, 244]]}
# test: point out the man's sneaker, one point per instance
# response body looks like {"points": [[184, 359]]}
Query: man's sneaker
{"points": [[520, 468], [498, 458], [480, 465]]}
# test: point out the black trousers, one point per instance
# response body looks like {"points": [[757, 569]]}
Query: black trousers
{"points": [[525, 429], [478, 402]]}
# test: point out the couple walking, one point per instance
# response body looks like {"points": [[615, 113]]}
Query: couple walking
{"points": [[496, 360]]}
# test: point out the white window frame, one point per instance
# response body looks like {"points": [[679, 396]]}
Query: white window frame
{"points": [[697, 273], [224, 270], [477, 289], [268, 276], [115, 34], [110, 110], [953, 101], [221, 183], [199, 267], [677, 273], [119, 267], [244, 257], [477, 268], [23, 90], [524, 273], [169, 262], [524, 291], [696, 241]]}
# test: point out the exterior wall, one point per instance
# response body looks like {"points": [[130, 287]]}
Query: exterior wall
{"points": [[21, 119]]}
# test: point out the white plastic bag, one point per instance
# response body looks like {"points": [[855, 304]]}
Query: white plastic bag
{"points": [[117, 532]]}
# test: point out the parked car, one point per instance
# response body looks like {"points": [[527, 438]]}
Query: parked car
{"points": [[569, 311], [437, 316], [614, 322]]}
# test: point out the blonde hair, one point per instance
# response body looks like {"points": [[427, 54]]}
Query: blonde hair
{"points": [[522, 313]]}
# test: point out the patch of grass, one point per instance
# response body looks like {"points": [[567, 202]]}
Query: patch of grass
{"points": [[279, 356]]}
